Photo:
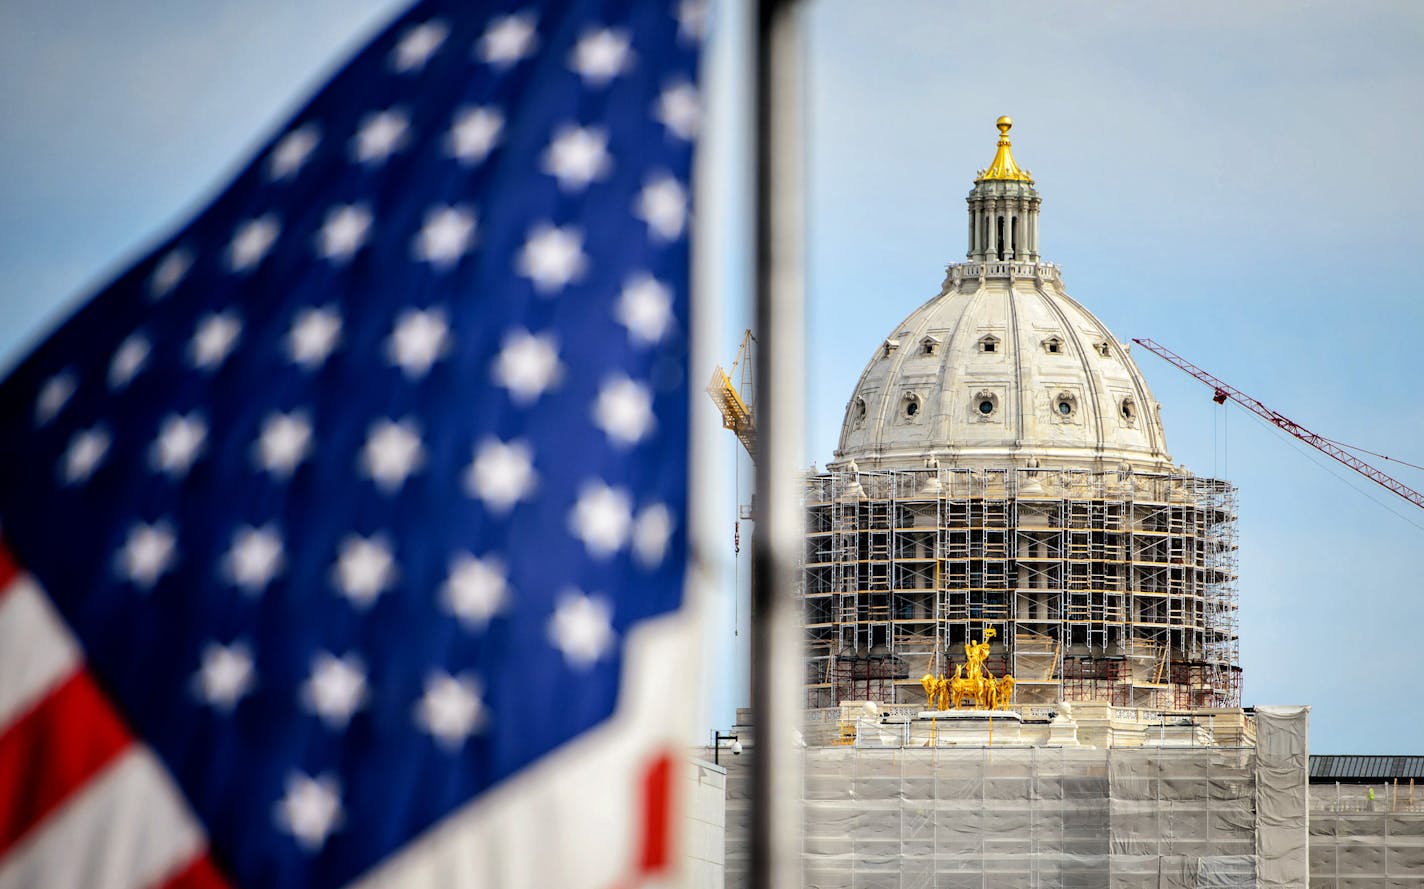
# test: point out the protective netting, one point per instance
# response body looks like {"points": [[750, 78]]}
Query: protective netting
{"points": [[1038, 817]]}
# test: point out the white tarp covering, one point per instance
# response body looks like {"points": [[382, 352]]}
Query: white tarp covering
{"points": [[1039, 817], [1282, 796]]}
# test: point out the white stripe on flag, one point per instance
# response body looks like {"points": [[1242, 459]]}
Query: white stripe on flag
{"points": [[127, 829], [37, 652]]}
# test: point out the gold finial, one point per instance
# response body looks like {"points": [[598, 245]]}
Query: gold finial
{"points": [[1003, 167]]}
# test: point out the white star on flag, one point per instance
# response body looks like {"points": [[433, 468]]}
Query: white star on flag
{"points": [[393, 452], [527, 365], [225, 676], [53, 396], [292, 151], [652, 528], [474, 133], [169, 272], [418, 45], [601, 56], [448, 234], [601, 518], [284, 442], [214, 339], [129, 358], [624, 410], [581, 628], [254, 559], [310, 809], [501, 474], [552, 257], [680, 110], [335, 689], [251, 242], [364, 569], [691, 20], [148, 552], [85, 452], [645, 308], [381, 135], [419, 339], [662, 204], [314, 334], [451, 709], [180, 442], [577, 157], [475, 590], [507, 40], [344, 232]]}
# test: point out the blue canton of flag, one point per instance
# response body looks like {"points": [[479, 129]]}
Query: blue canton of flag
{"points": [[340, 512]]}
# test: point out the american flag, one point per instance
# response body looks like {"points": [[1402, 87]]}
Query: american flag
{"points": [[343, 531]]}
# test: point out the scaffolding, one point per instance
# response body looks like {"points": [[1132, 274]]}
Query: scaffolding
{"points": [[1116, 586]]}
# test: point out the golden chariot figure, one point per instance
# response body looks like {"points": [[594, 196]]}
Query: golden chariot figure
{"points": [[971, 682]]}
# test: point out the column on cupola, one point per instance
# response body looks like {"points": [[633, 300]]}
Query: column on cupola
{"points": [[981, 232], [1033, 230]]}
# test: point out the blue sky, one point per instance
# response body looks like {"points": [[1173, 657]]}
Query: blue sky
{"points": [[1235, 181]]}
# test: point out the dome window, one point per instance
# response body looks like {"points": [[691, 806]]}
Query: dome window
{"points": [[929, 346], [989, 343], [1103, 348], [1053, 346], [891, 346], [1128, 411], [857, 412], [985, 405], [1065, 405], [910, 405]]}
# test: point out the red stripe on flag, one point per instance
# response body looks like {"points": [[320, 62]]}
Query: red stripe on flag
{"points": [[8, 569], [52, 751], [656, 852], [200, 873]]}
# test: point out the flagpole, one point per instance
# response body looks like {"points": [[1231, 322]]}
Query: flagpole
{"points": [[777, 662]]}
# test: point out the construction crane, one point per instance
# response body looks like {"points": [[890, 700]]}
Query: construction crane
{"points": [[1334, 449], [735, 402]]}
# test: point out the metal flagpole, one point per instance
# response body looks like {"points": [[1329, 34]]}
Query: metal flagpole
{"points": [[777, 662]]}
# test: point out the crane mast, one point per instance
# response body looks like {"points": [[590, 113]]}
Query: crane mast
{"points": [[1222, 391]]}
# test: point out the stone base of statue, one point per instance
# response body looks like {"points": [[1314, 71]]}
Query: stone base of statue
{"points": [[967, 728], [970, 714]]}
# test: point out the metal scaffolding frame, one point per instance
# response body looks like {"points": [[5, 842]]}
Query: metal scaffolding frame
{"points": [[1116, 586]]}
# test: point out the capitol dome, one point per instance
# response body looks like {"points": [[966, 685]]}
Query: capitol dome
{"points": [[1002, 368]]}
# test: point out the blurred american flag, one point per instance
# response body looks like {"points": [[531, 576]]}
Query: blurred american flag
{"points": [[342, 531]]}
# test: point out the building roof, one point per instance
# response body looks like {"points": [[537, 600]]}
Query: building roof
{"points": [[1347, 769]]}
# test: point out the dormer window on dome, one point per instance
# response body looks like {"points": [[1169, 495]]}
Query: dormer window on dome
{"points": [[929, 346], [1053, 345], [890, 346], [1103, 348], [989, 343]]}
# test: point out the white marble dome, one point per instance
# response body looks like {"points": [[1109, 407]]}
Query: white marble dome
{"points": [[1002, 368]]}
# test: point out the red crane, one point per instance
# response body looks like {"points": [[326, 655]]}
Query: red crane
{"points": [[1223, 392]]}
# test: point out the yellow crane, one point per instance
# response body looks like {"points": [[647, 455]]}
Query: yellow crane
{"points": [[736, 403]]}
